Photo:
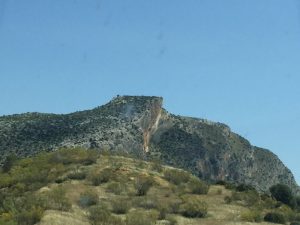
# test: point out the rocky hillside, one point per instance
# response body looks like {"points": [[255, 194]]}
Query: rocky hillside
{"points": [[80, 187], [141, 127]]}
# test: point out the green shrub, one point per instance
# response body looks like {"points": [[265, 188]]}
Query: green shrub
{"points": [[157, 166], [197, 186], [268, 202], [252, 216], [220, 182], [9, 162], [296, 217], [103, 177], [143, 184], [100, 215], [121, 205], [287, 212], [275, 217], [244, 187], [283, 193], [26, 209], [74, 155], [6, 180], [297, 200], [176, 176], [247, 198], [60, 180], [227, 199], [116, 187], [219, 191], [88, 198], [77, 175], [295, 223], [7, 222], [193, 207], [29, 217], [174, 206], [171, 219], [138, 217], [145, 202], [163, 210], [230, 186], [90, 158], [56, 199]]}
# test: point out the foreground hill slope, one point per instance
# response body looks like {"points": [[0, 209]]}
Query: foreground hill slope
{"points": [[75, 186], [140, 126]]}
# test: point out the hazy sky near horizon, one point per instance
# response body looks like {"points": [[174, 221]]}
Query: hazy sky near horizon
{"points": [[231, 61]]}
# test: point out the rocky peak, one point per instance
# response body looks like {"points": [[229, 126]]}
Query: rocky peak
{"points": [[144, 111]]}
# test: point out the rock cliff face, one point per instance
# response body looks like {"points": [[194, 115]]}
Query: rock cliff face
{"points": [[140, 126]]}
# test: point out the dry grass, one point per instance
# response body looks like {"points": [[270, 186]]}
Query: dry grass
{"points": [[52, 217]]}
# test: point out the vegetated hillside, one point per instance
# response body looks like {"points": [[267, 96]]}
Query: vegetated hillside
{"points": [[140, 126], [76, 186]]}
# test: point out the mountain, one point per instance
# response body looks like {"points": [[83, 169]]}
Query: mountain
{"points": [[140, 126]]}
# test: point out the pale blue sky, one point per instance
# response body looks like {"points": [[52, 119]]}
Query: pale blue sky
{"points": [[231, 61]]}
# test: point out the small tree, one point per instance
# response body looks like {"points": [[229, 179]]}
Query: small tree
{"points": [[283, 194], [275, 217], [143, 185], [9, 162], [193, 207]]}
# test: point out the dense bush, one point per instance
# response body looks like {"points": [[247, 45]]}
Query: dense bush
{"points": [[88, 198], [193, 207], [143, 184], [171, 219], [244, 187], [116, 187], [44, 168], [275, 217], [283, 194], [102, 177], [100, 215], [220, 182], [29, 217], [230, 186], [247, 198], [252, 216], [77, 175], [146, 202], [197, 186], [296, 217], [295, 223], [157, 165], [9, 162], [176, 176], [227, 199], [56, 199], [25, 210], [120, 205], [297, 200], [74, 155], [138, 217], [6, 180]]}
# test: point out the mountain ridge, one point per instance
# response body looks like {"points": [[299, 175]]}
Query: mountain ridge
{"points": [[139, 125]]}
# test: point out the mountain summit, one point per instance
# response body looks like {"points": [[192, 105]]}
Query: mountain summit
{"points": [[140, 126]]}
